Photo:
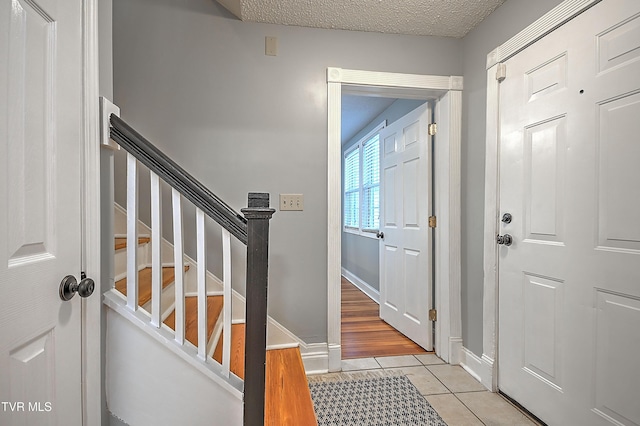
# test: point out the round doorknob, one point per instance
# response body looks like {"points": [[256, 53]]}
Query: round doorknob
{"points": [[505, 239], [69, 286], [380, 234]]}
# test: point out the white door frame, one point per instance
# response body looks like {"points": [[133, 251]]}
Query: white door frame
{"points": [[447, 90], [555, 18], [91, 307]]}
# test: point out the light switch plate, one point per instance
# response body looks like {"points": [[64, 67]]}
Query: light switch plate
{"points": [[292, 202]]}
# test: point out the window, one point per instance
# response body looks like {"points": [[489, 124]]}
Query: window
{"points": [[362, 184]]}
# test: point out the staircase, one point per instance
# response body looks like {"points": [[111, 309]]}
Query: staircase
{"points": [[182, 347]]}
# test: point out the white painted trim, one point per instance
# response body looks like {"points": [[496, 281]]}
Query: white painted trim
{"points": [[156, 250], [362, 285], [334, 217], [107, 108], [491, 202], [409, 85], [91, 308], [555, 18], [479, 368], [315, 357]]}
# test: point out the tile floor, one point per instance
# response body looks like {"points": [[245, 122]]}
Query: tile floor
{"points": [[459, 398]]}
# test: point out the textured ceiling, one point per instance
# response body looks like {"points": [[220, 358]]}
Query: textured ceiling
{"points": [[447, 18]]}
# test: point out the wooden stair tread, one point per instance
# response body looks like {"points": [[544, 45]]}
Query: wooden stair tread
{"points": [[214, 307], [144, 282], [122, 242], [236, 364], [288, 398]]}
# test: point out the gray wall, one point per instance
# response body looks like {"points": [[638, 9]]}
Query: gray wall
{"points": [[360, 254], [503, 23], [196, 81]]}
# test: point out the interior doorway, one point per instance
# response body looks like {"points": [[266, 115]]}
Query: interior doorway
{"points": [[445, 91], [369, 123]]}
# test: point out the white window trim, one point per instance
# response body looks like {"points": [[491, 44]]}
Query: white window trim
{"points": [[368, 233]]}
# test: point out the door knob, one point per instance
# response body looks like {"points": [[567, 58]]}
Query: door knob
{"points": [[69, 287], [380, 234], [506, 218], [505, 239]]}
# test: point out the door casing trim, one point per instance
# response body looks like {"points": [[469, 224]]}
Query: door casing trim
{"points": [[447, 91], [552, 20], [91, 307]]}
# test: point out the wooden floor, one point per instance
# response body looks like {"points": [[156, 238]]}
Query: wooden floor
{"points": [[364, 334], [287, 396]]}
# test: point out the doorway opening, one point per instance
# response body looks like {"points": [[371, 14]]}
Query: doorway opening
{"points": [[445, 92], [365, 120]]}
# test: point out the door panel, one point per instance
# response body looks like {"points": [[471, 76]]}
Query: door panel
{"points": [[40, 213], [568, 285], [405, 249]]}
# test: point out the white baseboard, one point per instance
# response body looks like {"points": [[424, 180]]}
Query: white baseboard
{"points": [[455, 350], [480, 368], [362, 285], [315, 357]]}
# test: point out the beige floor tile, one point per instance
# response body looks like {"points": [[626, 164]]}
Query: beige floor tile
{"points": [[422, 379], [455, 378], [428, 359], [493, 409], [359, 364], [398, 361], [452, 411]]}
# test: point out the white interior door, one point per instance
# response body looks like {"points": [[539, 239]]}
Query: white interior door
{"points": [[405, 248], [40, 211], [569, 284]]}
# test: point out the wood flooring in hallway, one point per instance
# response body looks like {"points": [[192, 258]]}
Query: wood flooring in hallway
{"points": [[364, 334]]}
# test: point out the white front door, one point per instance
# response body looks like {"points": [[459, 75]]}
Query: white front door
{"points": [[40, 211], [405, 247], [569, 284]]}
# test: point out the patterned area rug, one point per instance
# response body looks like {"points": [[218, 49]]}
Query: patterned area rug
{"points": [[370, 399]]}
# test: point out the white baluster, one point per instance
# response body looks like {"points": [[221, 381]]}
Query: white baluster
{"points": [[132, 232], [156, 254], [226, 313], [178, 260], [202, 285]]}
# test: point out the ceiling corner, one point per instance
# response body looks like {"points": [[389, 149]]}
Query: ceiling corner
{"points": [[233, 6]]}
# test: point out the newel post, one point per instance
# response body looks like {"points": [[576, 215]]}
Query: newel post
{"points": [[258, 215]]}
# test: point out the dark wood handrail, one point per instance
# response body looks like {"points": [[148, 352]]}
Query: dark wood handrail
{"points": [[149, 155]]}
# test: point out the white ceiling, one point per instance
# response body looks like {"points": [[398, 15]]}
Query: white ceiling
{"points": [[446, 18]]}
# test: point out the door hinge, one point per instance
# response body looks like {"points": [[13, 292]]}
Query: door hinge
{"points": [[433, 128], [432, 221], [501, 72], [433, 315]]}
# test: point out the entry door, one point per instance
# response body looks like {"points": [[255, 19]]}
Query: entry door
{"points": [[40, 211], [405, 246], [569, 284]]}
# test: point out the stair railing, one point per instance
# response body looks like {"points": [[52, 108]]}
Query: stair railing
{"points": [[251, 228]]}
